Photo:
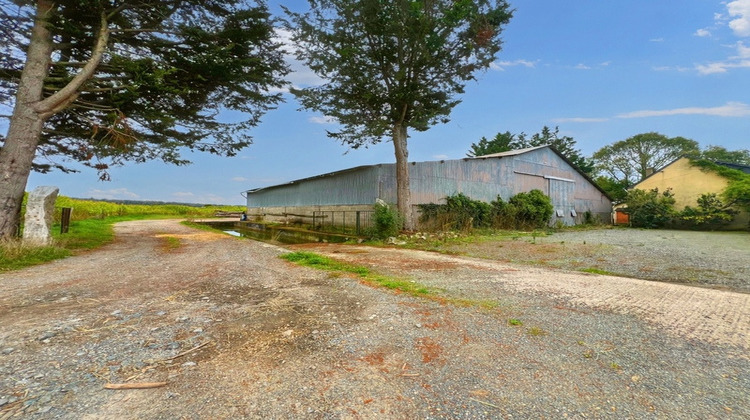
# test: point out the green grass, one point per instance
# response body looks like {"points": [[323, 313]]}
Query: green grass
{"points": [[171, 243], [405, 286], [515, 322], [594, 270], [14, 255], [536, 332]]}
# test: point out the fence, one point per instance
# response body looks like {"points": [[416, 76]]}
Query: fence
{"points": [[348, 222]]}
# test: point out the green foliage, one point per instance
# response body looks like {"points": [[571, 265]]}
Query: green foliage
{"points": [[387, 221], [737, 192], [398, 62], [531, 209], [711, 213], [522, 211], [503, 142], [167, 69], [721, 154], [650, 209], [629, 160], [617, 190]]}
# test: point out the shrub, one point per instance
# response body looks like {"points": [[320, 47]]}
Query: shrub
{"points": [[711, 213], [532, 209], [524, 210], [387, 221], [650, 209]]}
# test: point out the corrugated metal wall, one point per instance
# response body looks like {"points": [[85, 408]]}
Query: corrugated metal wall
{"points": [[431, 182]]}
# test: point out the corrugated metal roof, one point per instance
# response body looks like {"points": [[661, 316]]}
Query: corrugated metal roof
{"points": [[512, 152], [491, 156]]}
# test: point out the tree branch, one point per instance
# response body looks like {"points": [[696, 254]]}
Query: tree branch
{"points": [[56, 102]]}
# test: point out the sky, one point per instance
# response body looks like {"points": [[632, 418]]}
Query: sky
{"points": [[600, 70]]}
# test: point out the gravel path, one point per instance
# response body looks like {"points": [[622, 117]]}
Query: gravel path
{"points": [[236, 332]]}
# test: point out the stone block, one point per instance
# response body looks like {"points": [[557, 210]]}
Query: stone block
{"points": [[40, 212]]}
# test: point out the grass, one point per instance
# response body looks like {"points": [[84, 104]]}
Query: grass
{"points": [[171, 243], [14, 255], [594, 270], [536, 332], [408, 287]]}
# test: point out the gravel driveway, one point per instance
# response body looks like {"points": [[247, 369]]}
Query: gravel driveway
{"points": [[236, 332]]}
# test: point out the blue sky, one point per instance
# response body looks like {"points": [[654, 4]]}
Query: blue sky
{"points": [[600, 70]]}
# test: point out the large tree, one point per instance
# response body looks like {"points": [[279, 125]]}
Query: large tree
{"points": [[503, 142], [721, 154], [103, 82], [391, 66], [629, 161]]}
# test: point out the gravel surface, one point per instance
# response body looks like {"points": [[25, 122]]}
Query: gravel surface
{"points": [[236, 332], [713, 259]]}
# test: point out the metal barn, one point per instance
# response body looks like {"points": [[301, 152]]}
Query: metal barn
{"points": [[481, 178]]}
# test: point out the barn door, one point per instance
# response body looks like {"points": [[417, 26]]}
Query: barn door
{"points": [[562, 192]]}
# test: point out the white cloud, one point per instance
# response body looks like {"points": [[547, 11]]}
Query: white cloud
{"points": [[301, 75], [739, 13], [183, 194], [741, 60], [702, 33], [113, 194], [582, 66], [440, 157], [656, 40], [579, 120], [501, 65], [240, 179], [730, 109], [322, 120]]}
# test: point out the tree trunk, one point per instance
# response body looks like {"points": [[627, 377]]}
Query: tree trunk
{"points": [[17, 153], [403, 193]]}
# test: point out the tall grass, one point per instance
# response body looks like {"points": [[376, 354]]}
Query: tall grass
{"points": [[88, 209]]}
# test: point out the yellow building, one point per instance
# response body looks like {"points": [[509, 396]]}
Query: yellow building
{"points": [[689, 182]]}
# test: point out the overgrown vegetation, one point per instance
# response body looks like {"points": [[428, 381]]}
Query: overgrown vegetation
{"points": [[386, 220], [528, 210], [652, 209]]}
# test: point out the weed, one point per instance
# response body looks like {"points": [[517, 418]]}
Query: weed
{"points": [[593, 270], [15, 255], [515, 322], [615, 366], [536, 332], [171, 243]]}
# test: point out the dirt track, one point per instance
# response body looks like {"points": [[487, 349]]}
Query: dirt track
{"points": [[236, 332]]}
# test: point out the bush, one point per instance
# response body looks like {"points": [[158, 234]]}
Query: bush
{"points": [[522, 211], [650, 209], [532, 209], [711, 213], [387, 221]]}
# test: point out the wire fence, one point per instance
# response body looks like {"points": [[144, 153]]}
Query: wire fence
{"points": [[347, 222]]}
